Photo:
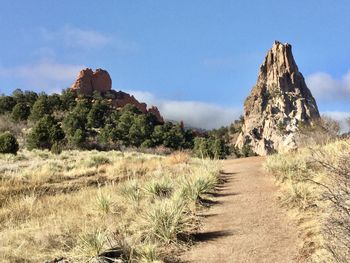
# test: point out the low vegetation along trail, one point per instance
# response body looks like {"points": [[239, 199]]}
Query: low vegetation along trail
{"points": [[247, 224]]}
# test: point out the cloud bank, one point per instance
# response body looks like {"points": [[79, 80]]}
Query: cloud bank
{"points": [[193, 113], [324, 87]]}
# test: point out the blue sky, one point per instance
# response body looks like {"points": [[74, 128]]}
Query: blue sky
{"points": [[196, 60]]}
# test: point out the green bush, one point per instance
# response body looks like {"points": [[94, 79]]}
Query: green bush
{"points": [[8, 143], [20, 112], [45, 133], [247, 151], [68, 100], [6, 104], [40, 108], [212, 148], [98, 114], [75, 124]]}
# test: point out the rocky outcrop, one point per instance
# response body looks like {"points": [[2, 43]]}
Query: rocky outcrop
{"points": [[277, 105], [89, 81], [123, 98], [156, 112]]}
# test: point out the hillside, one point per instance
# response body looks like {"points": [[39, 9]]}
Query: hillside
{"points": [[88, 206]]}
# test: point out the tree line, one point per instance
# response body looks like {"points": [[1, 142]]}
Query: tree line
{"points": [[71, 120]]}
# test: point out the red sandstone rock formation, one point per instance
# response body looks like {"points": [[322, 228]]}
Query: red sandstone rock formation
{"points": [[101, 81], [89, 81], [156, 112], [123, 98]]}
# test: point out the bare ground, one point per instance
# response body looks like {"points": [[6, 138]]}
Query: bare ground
{"points": [[247, 224]]}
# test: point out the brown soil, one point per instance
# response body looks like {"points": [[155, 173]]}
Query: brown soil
{"points": [[247, 224]]}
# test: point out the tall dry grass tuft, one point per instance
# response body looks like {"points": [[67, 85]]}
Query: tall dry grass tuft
{"points": [[90, 206], [179, 157], [167, 220], [316, 181]]}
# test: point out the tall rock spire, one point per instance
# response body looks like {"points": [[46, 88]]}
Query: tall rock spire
{"points": [[277, 104]]}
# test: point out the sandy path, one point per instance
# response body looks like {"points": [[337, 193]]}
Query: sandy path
{"points": [[247, 224]]}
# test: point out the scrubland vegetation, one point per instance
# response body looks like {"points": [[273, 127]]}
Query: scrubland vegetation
{"points": [[74, 121], [90, 206], [315, 182]]}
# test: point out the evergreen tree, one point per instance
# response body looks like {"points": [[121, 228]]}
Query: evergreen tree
{"points": [[68, 100], [45, 133], [98, 114], [75, 124], [40, 108], [20, 112], [6, 104], [18, 96], [140, 130], [54, 101], [30, 97]]}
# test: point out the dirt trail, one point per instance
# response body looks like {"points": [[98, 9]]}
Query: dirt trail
{"points": [[247, 224]]}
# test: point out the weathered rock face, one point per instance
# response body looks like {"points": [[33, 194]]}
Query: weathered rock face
{"points": [[123, 98], [277, 104], [89, 81], [156, 112]]}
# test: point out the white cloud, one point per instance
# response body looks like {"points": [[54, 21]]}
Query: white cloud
{"points": [[76, 37], [324, 87], [44, 75], [193, 113]]}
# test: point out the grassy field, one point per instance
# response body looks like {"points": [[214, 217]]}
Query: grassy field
{"points": [[89, 206], [315, 184]]}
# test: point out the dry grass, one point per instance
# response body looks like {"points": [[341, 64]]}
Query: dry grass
{"points": [[87, 206], [316, 183]]}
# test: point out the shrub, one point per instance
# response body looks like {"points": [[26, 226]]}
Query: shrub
{"points": [[212, 148], [40, 108], [67, 99], [45, 133], [132, 191], [160, 188], [8, 143], [6, 104], [75, 123], [92, 244], [247, 151], [103, 202], [98, 114], [20, 112], [96, 161], [56, 148], [167, 220], [317, 181], [196, 186]]}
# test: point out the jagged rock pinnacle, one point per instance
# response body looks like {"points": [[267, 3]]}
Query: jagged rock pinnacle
{"points": [[277, 104]]}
